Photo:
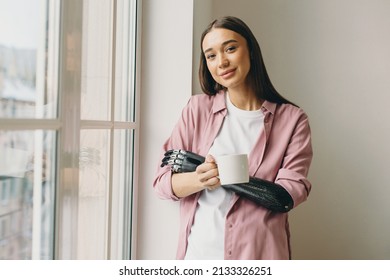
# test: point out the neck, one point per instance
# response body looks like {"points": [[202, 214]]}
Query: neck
{"points": [[245, 100]]}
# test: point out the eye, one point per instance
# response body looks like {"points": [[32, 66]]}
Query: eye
{"points": [[231, 49], [210, 56]]}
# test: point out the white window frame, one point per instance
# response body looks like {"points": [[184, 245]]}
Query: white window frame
{"points": [[67, 240], [68, 15]]}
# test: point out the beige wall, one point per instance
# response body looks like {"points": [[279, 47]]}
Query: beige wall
{"points": [[332, 58], [203, 12], [329, 56], [165, 88]]}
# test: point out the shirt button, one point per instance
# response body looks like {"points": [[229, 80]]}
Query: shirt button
{"points": [[231, 225], [230, 252]]}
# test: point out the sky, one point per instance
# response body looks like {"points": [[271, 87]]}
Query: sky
{"points": [[19, 23]]}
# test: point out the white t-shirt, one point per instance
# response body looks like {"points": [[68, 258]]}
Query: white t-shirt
{"points": [[239, 133]]}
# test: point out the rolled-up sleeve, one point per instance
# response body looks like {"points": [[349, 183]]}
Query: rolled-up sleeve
{"points": [[296, 162], [179, 139]]}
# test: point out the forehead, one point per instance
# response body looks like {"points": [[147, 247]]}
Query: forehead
{"points": [[218, 36]]}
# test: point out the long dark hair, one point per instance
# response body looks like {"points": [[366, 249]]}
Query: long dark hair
{"points": [[257, 76]]}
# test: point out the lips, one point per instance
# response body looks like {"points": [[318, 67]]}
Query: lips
{"points": [[228, 73]]}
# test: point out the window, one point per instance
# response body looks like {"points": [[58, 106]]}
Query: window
{"points": [[68, 128]]}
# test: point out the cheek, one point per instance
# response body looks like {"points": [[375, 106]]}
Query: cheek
{"points": [[211, 67], [246, 62], [212, 70], [246, 67]]}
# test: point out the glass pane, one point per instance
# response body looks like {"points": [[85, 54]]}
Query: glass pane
{"points": [[96, 60], [125, 60], [27, 184], [25, 59], [93, 193], [122, 194]]}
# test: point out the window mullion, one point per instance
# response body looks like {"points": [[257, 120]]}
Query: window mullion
{"points": [[29, 124], [136, 9], [69, 136], [112, 134]]}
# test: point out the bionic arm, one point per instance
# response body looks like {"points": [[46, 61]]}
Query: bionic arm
{"points": [[265, 193]]}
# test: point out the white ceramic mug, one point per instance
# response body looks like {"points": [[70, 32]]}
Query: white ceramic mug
{"points": [[233, 169]]}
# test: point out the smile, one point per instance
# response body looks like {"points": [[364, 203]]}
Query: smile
{"points": [[228, 73]]}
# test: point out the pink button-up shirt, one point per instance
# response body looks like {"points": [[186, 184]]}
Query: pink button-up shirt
{"points": [[282, 154]]}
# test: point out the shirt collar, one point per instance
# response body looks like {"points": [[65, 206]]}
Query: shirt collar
{"points": [[220, 104], [268, 106]]}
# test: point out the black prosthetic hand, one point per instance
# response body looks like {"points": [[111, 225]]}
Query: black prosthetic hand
{"points": [[265, 193], [182, 161]]}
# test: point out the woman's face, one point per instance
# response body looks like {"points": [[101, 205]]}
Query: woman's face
{"points": [[227, 57]]}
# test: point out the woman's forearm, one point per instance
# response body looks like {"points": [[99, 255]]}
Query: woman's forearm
{"points": [[205, 176], [185, 184]]}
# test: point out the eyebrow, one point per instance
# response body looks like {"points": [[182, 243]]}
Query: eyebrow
{"points": [[223, 44]]}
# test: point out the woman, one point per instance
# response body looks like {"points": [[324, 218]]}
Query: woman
{"points": [[240, 112]]}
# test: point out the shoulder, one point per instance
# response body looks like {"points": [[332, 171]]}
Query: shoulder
{"points": [[290, 112], [288, 118], [203, 99], [205, 103]]}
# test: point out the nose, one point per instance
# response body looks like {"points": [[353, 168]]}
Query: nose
{"points": [[223, 61]]}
